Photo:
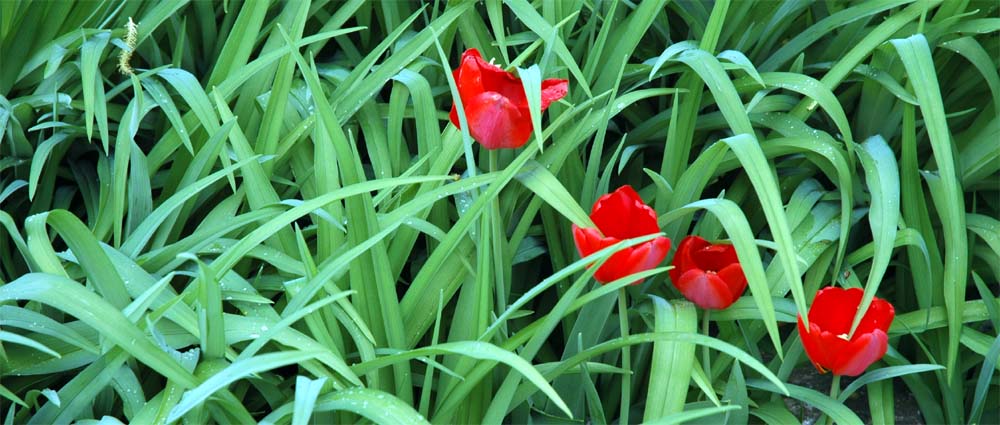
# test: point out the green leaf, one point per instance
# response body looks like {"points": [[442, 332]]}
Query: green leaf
{"points": [[916, 57], [838, 412], [306, 391], [535, 177], [616, 344], [882, 177], [738, 229], [690, 415], [41, 158], [17, 317], [139, 237], [765, 184], [93, 85], [670, 371], [983, 382], [775, 413], [232, 373], [377, 406], [21, 340], [882, 374], [550, 35], [824, 27], [477, 350], [84, 246], [531, 79], [726, 98], [71, 298]]}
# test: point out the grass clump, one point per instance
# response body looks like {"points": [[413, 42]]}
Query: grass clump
{"points": [[239, 212]]}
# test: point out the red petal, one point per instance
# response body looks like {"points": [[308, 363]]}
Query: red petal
{"points": [[623, 215], [715, 257], [682, 259], [616, 267], [861, 353], [468, 80], [833, 309], [810, 342], [879, 316], [495, 122], [830, 317], [469, 75], [646, 256], [590, 240], [553, 89], [493, 110], [833, 346], [622, 263], [733, 276], [704, 289], [493, 78], [660, 247], [508, 125]]}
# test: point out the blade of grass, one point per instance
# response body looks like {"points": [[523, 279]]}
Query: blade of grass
{"points": [[70, 297], [916, 57], [669, 378], [882, 177]]}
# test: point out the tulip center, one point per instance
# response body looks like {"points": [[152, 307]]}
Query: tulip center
{"points": [[843, 337]]}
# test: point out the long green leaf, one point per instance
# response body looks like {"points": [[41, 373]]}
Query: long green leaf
{"points": [[70, 297]]}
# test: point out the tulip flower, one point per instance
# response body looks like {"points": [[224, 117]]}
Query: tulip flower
{"points": [[495, 105], [708, 275], [827, 341], [622, 215]]}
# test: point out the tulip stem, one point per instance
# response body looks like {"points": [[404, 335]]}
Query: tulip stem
{"points": [[704, 348], [626, 360], [494, 158], [834, 393]]}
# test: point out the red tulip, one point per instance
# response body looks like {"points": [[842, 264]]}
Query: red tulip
{"points": [[708, 275], [622, 215], [494, 102], [830, 317]]}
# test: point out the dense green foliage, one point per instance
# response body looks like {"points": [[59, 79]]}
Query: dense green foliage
{"points": [[263, 213]]}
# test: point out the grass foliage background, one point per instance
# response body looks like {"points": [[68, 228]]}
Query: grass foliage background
{"points": [[272, 219]]}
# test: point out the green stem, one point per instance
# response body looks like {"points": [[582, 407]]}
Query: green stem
{"points": [[704, 348], [494, 158], [626, 360], [834, 393], [497, 244]]}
